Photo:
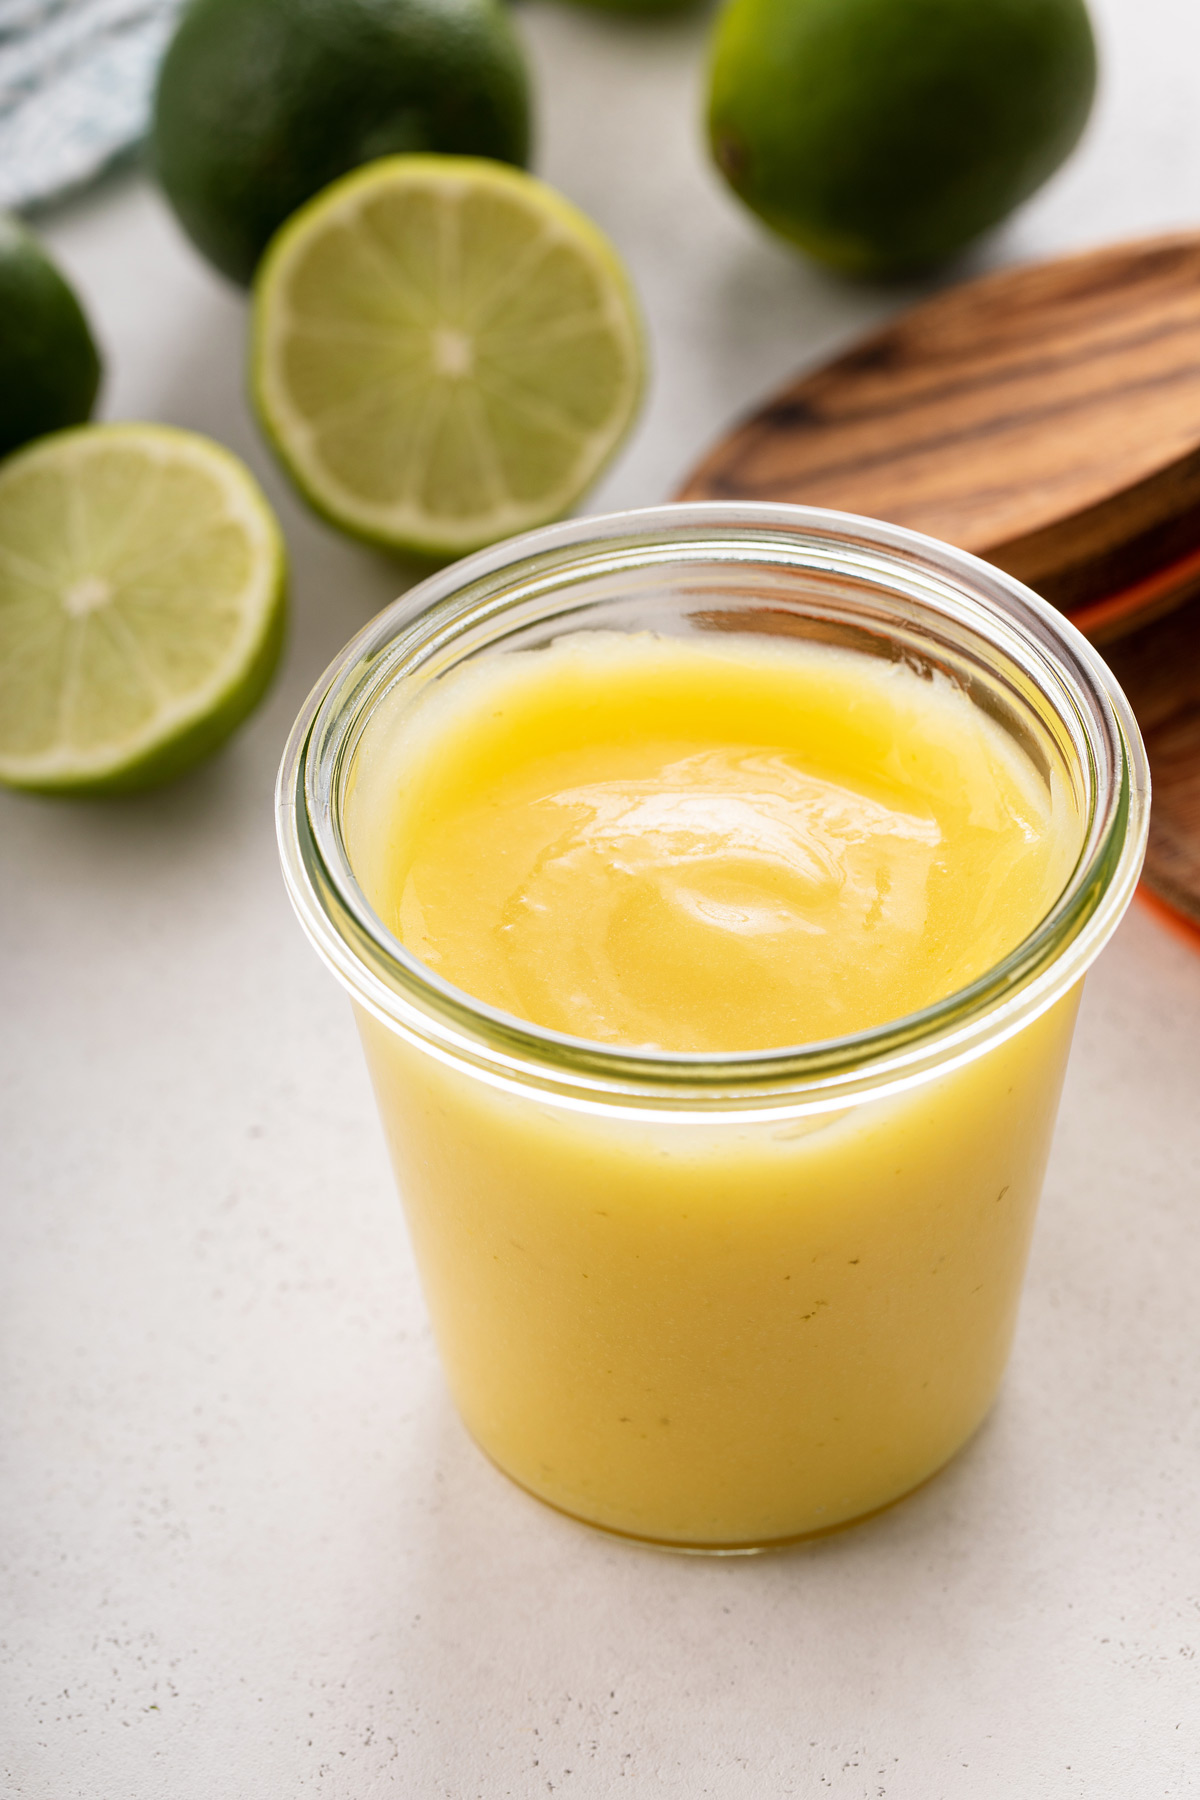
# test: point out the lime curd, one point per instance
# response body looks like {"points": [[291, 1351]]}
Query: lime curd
{"points": [[713, 1335]]}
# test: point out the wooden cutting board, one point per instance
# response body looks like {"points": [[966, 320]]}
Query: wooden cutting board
{"points": [[1046, 418]]}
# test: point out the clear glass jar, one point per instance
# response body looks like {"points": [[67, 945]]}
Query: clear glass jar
{"points": [[724, 1302]]}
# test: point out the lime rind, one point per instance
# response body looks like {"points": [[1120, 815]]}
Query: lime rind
{"points": [[363, 303], [50, 367], [142, 606]]}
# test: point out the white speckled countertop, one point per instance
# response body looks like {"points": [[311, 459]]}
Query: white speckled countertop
{"points": [[246, 1551]]}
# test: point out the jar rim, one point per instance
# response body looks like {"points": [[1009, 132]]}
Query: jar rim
{"points": [[515, 1054]]}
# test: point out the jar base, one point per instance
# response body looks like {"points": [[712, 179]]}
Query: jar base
{"points": [[763, 1547]]}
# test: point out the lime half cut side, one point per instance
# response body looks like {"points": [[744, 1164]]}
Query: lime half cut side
{"points": [[445, 352], [141, 606]]}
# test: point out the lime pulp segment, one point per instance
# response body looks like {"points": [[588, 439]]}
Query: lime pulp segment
{"points": [[446, 352], [141, 605]]}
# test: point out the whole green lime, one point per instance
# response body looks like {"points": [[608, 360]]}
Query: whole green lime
{"points": [[883, 135], [49, 365], [261, 103]]}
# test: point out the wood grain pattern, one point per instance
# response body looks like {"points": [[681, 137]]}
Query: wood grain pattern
{"points": [[1047, 418], [1159, 668]]}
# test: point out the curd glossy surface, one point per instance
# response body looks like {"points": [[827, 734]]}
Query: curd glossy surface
{"points": [[695, 846]]}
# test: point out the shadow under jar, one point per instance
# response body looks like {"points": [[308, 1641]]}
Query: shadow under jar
{"points": [[722, 1301]]}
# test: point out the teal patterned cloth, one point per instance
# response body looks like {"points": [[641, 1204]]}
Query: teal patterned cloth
{"points": [[76, 79]]}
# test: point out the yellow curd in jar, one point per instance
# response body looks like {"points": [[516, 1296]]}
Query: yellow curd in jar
{"points": [[726, 1332]]}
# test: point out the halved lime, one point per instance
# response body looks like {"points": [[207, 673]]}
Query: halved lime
{"points": [[141, 606], [445, 352]]}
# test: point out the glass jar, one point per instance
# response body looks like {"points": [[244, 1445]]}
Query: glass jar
{"points": [[724, 1302]]}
